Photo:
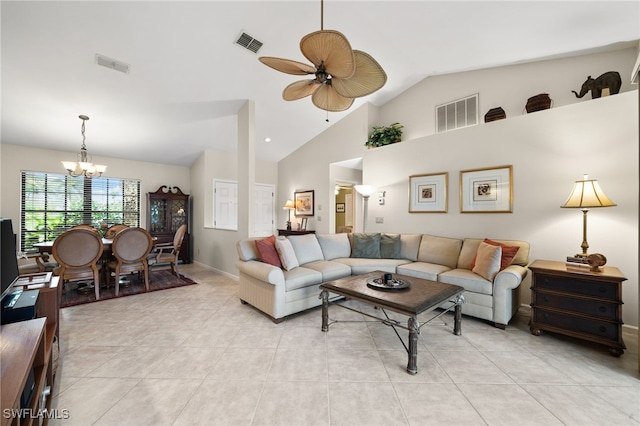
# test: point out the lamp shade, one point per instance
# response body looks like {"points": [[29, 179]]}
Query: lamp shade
{"points": [[587, 194], [289, 205], [365, 190]]}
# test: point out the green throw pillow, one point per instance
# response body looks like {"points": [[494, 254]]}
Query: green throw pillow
{"points": [[390, 246], [366, 246]]}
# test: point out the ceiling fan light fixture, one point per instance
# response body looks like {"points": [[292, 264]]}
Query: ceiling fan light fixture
{"points": [[341, 73]]}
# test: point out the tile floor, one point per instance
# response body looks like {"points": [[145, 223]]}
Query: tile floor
{"points": [[196, 355]]}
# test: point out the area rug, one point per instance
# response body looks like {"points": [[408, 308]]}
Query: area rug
{"points": [[73, 294]]}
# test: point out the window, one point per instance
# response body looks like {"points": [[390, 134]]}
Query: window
{"points": [[457, 114], [53, 203]]}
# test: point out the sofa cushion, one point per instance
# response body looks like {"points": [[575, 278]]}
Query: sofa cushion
{"points": [[301, 277], [470, 281], [334, 245], [409, 246], [488, 261], [363, 266], [508, 253], [247, 249], [366, 246], [307, 248], [266, 248], [330, 270], [286, 253], [470, 248], [439, 250], [390, 246], [424, 270]]}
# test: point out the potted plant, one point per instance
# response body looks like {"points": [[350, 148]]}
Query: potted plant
{"points": [[385, 135]]}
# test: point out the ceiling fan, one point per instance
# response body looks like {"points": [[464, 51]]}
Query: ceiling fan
{"points": [[341, 73]]}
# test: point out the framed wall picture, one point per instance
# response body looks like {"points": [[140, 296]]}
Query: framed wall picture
{"points": [[303, 223], [428, 193], [339, 207], [488, 190], [303, 201]]}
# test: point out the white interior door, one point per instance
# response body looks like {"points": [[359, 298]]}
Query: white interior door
{"points": [[264, 210]]}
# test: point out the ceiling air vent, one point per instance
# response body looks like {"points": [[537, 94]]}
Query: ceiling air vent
{"points": [[112, 63], [248, 42]]}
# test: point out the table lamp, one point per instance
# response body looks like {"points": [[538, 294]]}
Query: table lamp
{"points": [[289, 206], [586, 194], [365, 191]]}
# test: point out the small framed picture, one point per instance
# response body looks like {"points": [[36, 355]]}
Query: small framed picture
{"points": [[303, 224], [488, 190], [303, 201], [339, 207], [428, 193]]}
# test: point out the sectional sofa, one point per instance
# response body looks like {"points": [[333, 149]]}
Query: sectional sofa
{"points": [[306, 261]]}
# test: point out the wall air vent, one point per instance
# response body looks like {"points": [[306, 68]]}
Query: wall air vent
{"points": [[248, 42], [112, 63], [457, 114]]}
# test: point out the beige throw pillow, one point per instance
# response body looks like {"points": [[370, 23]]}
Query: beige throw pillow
{"points": [[286, 253], [488, 261]]}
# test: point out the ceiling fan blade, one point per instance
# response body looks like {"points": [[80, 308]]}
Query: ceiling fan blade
{"points": [[368, 78], [326, 98], [287, 65], [300, 89], [331, 48]]}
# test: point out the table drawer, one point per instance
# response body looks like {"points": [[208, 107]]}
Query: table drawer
{"points": [[593, 327], [584, 287], [595, 308]]}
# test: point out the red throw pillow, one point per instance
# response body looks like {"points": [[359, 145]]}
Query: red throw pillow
{"points": [[508, 253], [267, 251]]}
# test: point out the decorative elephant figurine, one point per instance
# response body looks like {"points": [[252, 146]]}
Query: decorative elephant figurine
{"points": [[610, 80]]}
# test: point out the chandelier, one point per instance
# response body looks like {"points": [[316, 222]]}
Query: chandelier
{"points": [[83, 164]]}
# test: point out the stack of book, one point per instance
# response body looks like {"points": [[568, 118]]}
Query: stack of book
{"points": [[578, 262]]}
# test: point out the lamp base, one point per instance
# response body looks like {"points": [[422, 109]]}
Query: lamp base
{"points": [[288, 225]]}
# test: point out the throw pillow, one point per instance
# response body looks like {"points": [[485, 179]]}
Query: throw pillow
{"points": [[488, 261], [390, 246], [267, 251], [286, 253], [508, 253], [366, 246]]}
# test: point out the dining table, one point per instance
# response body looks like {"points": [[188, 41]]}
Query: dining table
{"points": [[47, 247]]}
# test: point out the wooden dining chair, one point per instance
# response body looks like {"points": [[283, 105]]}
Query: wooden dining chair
{"points": [[78, 251], [114, 229], [164, 253], [130, 247]]}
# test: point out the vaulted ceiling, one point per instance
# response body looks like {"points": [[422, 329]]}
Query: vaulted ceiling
{"points": [[188, 77]]}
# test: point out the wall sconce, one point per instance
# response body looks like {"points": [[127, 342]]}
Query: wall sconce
{"points": [[289, 206], [366, 191], [586, 194]]}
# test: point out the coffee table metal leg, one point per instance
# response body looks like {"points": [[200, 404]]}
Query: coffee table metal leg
{"points": [[414, 330], [325, 310], [457, 324]]}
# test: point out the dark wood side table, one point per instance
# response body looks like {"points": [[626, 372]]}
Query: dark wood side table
{"points": [[577, 302], [287, 232]]}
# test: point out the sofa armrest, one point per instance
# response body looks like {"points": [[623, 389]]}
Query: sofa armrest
{"points": [[509, 278], [262, 271]]}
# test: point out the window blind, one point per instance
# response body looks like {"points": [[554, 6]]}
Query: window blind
{"points": [[53, 203]]}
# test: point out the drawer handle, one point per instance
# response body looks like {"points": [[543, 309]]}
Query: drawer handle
{"points": [[545, 298], [546, 316], [602, 309], [602, 328]]}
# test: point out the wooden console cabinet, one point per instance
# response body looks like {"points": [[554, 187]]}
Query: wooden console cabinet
{"points": [[167, 209], [577, 302], [287, 232], [27, 347]]}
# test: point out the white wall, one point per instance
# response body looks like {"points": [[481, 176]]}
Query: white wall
{"points": [[217, 247], [15, 158], [549, 150]]}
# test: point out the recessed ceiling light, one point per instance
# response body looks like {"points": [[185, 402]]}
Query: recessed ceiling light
{"points": [[267, 139]]}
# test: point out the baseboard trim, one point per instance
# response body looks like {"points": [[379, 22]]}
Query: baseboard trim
{"points": [[219, 271]]}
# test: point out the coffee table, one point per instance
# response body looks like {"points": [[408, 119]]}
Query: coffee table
{"points": [[421, 296]]}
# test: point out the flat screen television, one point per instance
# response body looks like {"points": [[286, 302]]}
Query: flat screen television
{"points": [[8, 260]]}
